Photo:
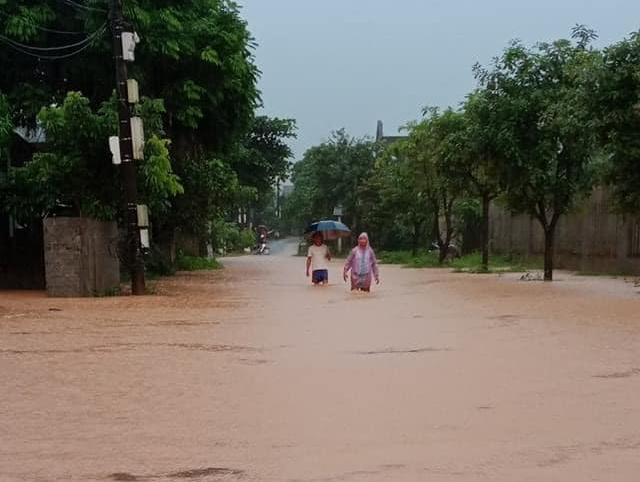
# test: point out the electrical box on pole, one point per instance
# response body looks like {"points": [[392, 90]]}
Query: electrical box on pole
{"points": [[114, 147], [132, 91], [129, 41], [143, 225], [137, 137]]}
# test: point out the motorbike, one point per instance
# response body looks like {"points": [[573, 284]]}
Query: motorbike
{"points": [[453, 251], [262, 247]]}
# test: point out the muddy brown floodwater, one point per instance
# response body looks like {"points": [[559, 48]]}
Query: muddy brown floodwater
{"points": [[252, 375]]}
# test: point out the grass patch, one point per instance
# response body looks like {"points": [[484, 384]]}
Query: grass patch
{"points": [[115, 291], [407, 259], [470, 263], [196, 263], [607, 273]]}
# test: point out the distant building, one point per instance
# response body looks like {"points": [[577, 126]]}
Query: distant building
{"points": [[286, 190], [24, 144], [380, 137], [21, 247]]}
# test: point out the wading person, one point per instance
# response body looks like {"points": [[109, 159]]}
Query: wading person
{"points": [[363, 265], [318, 257]]}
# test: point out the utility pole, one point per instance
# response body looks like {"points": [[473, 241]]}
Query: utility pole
{"points": [[134, 254]]}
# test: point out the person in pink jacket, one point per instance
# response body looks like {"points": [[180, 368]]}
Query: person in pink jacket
{"points": [[363, 265]]}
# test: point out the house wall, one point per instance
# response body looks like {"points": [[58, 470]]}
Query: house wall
{"points": [[81, 256]]}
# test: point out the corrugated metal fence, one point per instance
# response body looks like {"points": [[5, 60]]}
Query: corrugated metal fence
{"points": [[590, 238]]}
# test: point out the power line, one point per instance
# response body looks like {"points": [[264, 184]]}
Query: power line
{"points": [[24, 51], [71, 3], [89, 39], [44, 29], [47, 57]]}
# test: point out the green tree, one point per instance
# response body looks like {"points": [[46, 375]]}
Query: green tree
{"points": [[431, 146], [195, 56], [74, 172], [332, 174], [612, 93], [545, 135], [264, 156], [6, 127], [394, 200], [263, 161], [474, 155]]}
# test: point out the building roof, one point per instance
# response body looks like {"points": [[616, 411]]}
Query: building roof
{"points": [[380, 137], [31, 136]]}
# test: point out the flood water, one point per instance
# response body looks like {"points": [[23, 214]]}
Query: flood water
{"points": [[250, 374]]}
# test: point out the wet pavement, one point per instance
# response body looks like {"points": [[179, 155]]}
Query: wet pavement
{"points": [[250, 374]]}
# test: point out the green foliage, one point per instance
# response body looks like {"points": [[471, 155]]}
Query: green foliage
{"points": [[329, 175], [197, 56], [545, 134], [433, 147], [196, 263], [263, 157], [195, 64], [470, 263], [422, 259], [612, 93], [157, 183], [6, 127], [210, 187], [230, 238], [397, 209], [74, 173], [545, 141], [157, 263]]}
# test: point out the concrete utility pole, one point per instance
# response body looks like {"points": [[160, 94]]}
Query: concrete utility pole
{"points": [[337, 211], [134, 254]]}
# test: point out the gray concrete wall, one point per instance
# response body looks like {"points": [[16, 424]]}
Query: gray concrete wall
{"points": [[590, 238], [80, 256]]}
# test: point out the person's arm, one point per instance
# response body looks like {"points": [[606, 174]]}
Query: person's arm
{"points": [[308, 261], [374, 267], [347, 265], [328, 254]]}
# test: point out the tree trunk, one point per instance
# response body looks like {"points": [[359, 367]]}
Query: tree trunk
{"points": [[449, 231], [549, 233], [415, 238], [485, 232], [442, 249]]}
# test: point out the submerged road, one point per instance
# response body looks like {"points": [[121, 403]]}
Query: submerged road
{"points": [[250, 374]]}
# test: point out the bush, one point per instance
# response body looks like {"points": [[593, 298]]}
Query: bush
{"points": [[421, 260], [157, 263], [471, 263], [247, 239], [230, 238], [195, 263]]}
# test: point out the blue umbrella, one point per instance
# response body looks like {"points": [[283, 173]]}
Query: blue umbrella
{"points": [[329, 229]]}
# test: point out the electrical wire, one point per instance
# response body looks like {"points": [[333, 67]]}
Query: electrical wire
{"points": [[17, 48], [89, 39], [45, 29], [72, 3]]}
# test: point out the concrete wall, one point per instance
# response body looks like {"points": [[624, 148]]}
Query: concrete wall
{"points": [[591, 238], [80, 256]]}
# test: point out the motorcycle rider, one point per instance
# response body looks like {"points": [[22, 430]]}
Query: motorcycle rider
{"points": [[262, 240]]}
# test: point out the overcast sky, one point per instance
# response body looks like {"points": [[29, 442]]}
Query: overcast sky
{"points": [[347, 63]]}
